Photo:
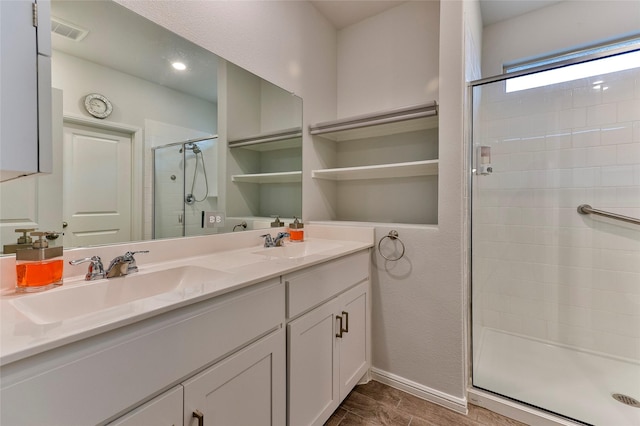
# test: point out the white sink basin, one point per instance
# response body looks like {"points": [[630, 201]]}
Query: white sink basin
{"points": [[113, 295], [298, 250]]}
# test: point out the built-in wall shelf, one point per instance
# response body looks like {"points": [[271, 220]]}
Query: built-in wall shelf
{"points": [[282, 139], [382, 171], [281, 177], [383, 167], [401, 120]]}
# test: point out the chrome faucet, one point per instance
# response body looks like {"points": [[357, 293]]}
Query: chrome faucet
{"points": [[95, 271], [269, 241], [123, 265]]}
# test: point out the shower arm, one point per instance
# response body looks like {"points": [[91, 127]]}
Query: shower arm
{"points": [[587, 209]]}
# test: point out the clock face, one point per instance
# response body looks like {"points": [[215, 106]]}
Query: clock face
{"points": [[97, 105]]}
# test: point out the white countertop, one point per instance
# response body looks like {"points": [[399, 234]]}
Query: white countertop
{"points": [[238, 267]]}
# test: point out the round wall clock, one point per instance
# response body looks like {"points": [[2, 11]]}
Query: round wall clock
{"points": [[97, 105]]}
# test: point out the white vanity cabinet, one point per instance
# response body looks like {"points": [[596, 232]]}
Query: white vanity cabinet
{"points": [[329, 345], [218, 344]]}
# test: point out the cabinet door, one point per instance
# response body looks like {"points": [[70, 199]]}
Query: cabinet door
{"points": [[352, 345], [313, 376], [164, 410], [247, 388], [19, 101]]}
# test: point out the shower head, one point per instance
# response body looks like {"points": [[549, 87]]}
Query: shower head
{"points": [[192, 147]]}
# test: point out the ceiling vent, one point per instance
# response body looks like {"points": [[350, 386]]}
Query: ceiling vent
{"points": [[67, 30]]}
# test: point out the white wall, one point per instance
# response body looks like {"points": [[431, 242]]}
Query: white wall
{"points": [[563, 26], [389, 60], [133, 99]]}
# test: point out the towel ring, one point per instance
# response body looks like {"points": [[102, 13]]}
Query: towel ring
{"points": [[392, 235]]}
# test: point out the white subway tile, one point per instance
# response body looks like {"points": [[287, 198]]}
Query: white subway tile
{"points": [[613, 322], [602, 156], [534, 327], [616, 176], [558, 140], [586, 177], [618, 345], [618, 90], [619, 260], [510, 322], [627, 196], [585, 137], [601, 114], [628, 153], [490, 318], [586, 96], [614, 134], [629, 110]]}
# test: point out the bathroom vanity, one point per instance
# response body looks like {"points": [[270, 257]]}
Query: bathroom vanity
{"points": [[246, 335]]}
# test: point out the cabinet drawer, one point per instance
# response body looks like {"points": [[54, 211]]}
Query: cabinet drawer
{"points": [[163, 410], [310, 287]]}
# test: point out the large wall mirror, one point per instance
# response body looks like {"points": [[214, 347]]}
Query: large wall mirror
{"points": [[147, 148]]}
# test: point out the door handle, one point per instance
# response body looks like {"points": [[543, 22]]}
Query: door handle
{"points": [[198, 415], [340, 329]]}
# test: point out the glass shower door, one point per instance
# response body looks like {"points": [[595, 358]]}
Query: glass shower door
{"points": [[168, 191], [555, 293]]}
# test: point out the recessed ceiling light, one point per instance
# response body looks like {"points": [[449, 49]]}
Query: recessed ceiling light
{"points": [[179, 66]]}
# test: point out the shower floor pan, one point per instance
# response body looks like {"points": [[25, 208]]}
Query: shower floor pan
{"points": [[563, 380]]}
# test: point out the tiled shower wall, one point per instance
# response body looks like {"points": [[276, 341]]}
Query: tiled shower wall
{"points": [[540, 269]]}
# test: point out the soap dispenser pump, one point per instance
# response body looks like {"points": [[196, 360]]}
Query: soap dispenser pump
{"points": [[24, 241], [39, 267], [277, 223]]}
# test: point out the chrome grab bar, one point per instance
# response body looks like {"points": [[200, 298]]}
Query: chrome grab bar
{"points": [[587, 209]]}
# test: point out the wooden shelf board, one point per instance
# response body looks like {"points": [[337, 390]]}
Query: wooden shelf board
{"points": [[382, 171], [282, 177]]}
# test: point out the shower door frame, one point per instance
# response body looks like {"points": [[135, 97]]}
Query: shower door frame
{"points": [[499, 403]]}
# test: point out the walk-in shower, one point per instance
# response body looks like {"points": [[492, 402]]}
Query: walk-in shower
{"points": [[184, 186], [556, 292]]}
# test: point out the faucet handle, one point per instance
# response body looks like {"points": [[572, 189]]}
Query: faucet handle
{"points": [[96, 269], [128, 257], [268, 240]]}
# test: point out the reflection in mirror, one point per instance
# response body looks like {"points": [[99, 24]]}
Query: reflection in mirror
{"points": [[135, 174]]}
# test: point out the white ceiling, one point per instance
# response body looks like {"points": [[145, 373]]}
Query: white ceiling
{"points": [[342, 13], [127, 42]]}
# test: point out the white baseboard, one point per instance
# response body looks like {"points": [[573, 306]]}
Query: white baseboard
{"points": [[448, 401]]}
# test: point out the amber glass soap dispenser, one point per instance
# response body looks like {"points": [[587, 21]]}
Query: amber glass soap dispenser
{"points": [[39, 267], [296, 231]]}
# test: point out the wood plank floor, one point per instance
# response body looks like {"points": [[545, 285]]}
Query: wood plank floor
{"points": [[377, 404]]}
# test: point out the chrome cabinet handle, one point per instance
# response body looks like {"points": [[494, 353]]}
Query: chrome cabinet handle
{"points": [[197, 414], [340, 329], [346, 321]]}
